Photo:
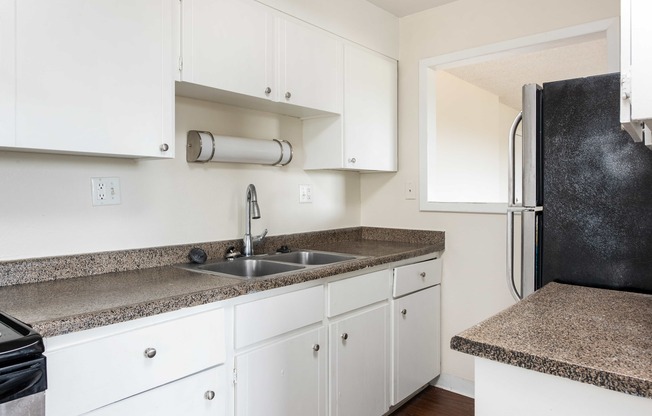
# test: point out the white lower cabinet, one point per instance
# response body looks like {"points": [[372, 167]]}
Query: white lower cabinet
{"points": [[284, 378], [359, 352], [416, 327], [95, 368], [201, 394], [416, 341], [343, 347]]}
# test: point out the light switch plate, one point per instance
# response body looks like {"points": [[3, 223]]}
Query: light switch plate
{"points": [[305, 194]]}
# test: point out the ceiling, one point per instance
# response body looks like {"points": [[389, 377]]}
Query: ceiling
{"points": [[504, 77], [400, 8]]}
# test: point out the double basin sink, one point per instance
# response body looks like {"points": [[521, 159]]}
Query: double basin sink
{"points": [[264, 265]]}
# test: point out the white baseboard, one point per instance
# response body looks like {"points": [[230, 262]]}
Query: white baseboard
{"points": [[455, 384]]}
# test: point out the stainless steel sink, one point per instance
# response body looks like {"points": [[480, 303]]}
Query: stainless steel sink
{"points": [[311, 258], [265, 265], [247, 267]]}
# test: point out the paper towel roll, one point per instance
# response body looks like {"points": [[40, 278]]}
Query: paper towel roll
{"points": [[203, 146]]}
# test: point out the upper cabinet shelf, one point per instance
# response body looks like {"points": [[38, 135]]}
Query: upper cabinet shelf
{"points": [[243, 53], [89, 78]]}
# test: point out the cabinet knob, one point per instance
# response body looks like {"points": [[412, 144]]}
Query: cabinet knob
{"points": [[352, 160], [315, 347], [164, 147], [422, 274], [268, 90], [288, 95], [150, 352], [209, 395], [345, 336], [403, 312]]}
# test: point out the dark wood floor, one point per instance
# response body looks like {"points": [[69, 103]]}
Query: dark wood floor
{"points": [[434, 401]]}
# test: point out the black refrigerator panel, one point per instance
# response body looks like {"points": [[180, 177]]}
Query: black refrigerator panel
{"points": [[597, 190]]}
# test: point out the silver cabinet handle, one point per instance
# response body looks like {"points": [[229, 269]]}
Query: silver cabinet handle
{"points": [[209, 395], [288, 95], [403, 312], [352, 160], [268, 90], [150, 352], [164, 147], [345, 336], [315, 347], [422, 274]]}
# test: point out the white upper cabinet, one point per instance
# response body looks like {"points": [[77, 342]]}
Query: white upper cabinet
{"points": [[310, 67], [364, 138], [370, 118], [250, 55], [87, 77], [229, 45], [635, 68]]}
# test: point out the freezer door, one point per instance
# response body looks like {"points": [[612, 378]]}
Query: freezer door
{"points": [[532, 154]]}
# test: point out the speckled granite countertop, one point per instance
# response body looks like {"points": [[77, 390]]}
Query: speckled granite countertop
{"points": [[596, 336], [60, 295]]}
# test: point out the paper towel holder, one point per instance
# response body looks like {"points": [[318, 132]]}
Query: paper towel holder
{"points": [[204, 146]]}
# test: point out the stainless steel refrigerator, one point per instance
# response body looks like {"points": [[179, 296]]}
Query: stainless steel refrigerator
{"points": [[586, 209]]}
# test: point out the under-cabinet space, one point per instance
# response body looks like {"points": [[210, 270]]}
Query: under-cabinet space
{"points": [[87, 77]]}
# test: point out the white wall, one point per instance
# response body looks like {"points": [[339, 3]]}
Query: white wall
{"points": [[473, 286], [467, 157], [46, 210]]}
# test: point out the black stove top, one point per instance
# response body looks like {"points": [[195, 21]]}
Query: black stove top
{"points": [[17, 339]]}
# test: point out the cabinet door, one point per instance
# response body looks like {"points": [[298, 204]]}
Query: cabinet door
{"points": [[416, 341], [94, 77], [229, 45], [204, 393], [641, 60], [284, 378], [370, 105], [359, 363], [310, 67]]}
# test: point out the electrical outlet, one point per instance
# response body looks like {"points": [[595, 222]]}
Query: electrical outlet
{"points": [[105, 191], [410, 192], [305, 194]]}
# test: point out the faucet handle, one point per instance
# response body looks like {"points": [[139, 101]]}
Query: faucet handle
{"points": [[260, 237]]}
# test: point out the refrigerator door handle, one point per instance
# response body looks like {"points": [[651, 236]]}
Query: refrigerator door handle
{"points": [[511, 206], [510, 256], [511, 162]]}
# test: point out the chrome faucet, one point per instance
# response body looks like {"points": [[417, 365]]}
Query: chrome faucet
{"points": [[251, 211]]}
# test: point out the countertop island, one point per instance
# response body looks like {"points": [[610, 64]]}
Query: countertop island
{"points": [[594, 336]]}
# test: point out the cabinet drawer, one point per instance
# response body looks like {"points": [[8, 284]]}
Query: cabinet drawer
{"points": [[91, 374], [413, 277], [357, 292], [197, 395], [267, 318]]}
